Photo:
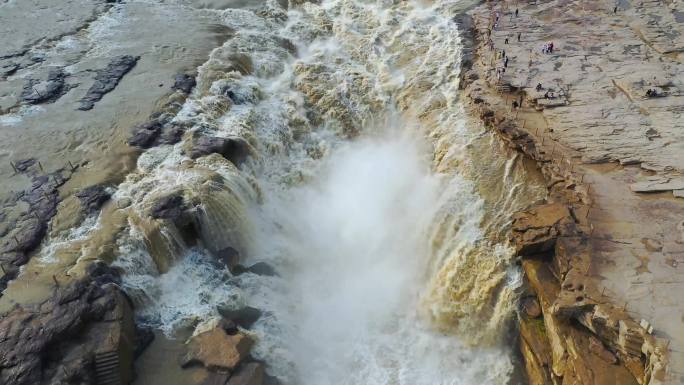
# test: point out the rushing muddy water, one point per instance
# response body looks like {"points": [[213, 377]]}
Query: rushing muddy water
{"points": [[380, 205]]}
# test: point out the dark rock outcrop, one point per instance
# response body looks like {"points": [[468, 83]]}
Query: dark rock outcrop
{"points": [[144, 337], [62, 340], [107, 79], [42, 199], [259, 268], [244, 317], [168, 207], [171, 133], [45, 91], [227, 257], [24, 164], [144, 135], [93, 197], [155, 132], [234, 149], [184, 83]]}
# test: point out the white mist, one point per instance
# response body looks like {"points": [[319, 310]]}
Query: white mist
{"points": [[352, 248]]}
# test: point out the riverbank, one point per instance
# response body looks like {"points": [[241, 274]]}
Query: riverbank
{"points": [[603, 257], [324, 148]]}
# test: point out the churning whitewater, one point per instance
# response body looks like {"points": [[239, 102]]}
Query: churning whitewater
{"points": [[363, 189]]}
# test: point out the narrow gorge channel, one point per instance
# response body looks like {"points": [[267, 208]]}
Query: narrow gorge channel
{"points": [[326, 142]]}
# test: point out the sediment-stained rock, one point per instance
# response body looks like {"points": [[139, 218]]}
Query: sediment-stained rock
{"points": [[169, 206], [535, 231], [144, 135], [29, 229], [45, 91], [107, 79], [234, 149], [93, 197], [60, 340], [227, 257], [184, 83], [217, 350]]}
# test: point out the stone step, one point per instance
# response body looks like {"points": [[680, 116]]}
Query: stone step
{"points": [[107, 368]]}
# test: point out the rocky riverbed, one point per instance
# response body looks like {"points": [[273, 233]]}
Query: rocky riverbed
{"points": [[601, 114], [337, 192]]}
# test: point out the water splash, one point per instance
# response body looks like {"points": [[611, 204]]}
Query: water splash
{"points": [[391, 270], [353, 248]]}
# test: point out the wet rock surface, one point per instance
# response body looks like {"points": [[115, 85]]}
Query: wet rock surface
{"points": [[25, 234], [107, 79], [244, 317], [184, 83], [60, 340], [45, 91], [227, 258], [259, 268], [144, 135], [217, 350], [93, 197], [234, 149], [168, 207]]}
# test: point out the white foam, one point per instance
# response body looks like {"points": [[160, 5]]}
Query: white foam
{"points": [[366, 236]]}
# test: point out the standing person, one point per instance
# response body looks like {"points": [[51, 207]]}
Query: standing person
{"points": [[506, 41], [551, 47], [516, 12], [518, 36], [506, 63], [615, 9]]}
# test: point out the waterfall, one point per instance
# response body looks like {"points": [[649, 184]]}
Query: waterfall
{"points": [[380, 204]]}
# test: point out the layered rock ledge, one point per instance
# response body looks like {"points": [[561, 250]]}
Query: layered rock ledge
{"points": [[601, 115]]}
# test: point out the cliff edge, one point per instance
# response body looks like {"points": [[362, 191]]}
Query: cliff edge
{"points": [[593, 91]]}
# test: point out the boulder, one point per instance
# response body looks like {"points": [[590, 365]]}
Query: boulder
{"points": [[217, 350], [227, 258], [234, 149], [144, 135], [248, 374], [24, 164], [107, 79], [63, 340], [244, 317], [172, 133], [93, 197], [262, 268], [531, 307], [184, 83], [259, 268], [535, 230], [168, 207]]}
